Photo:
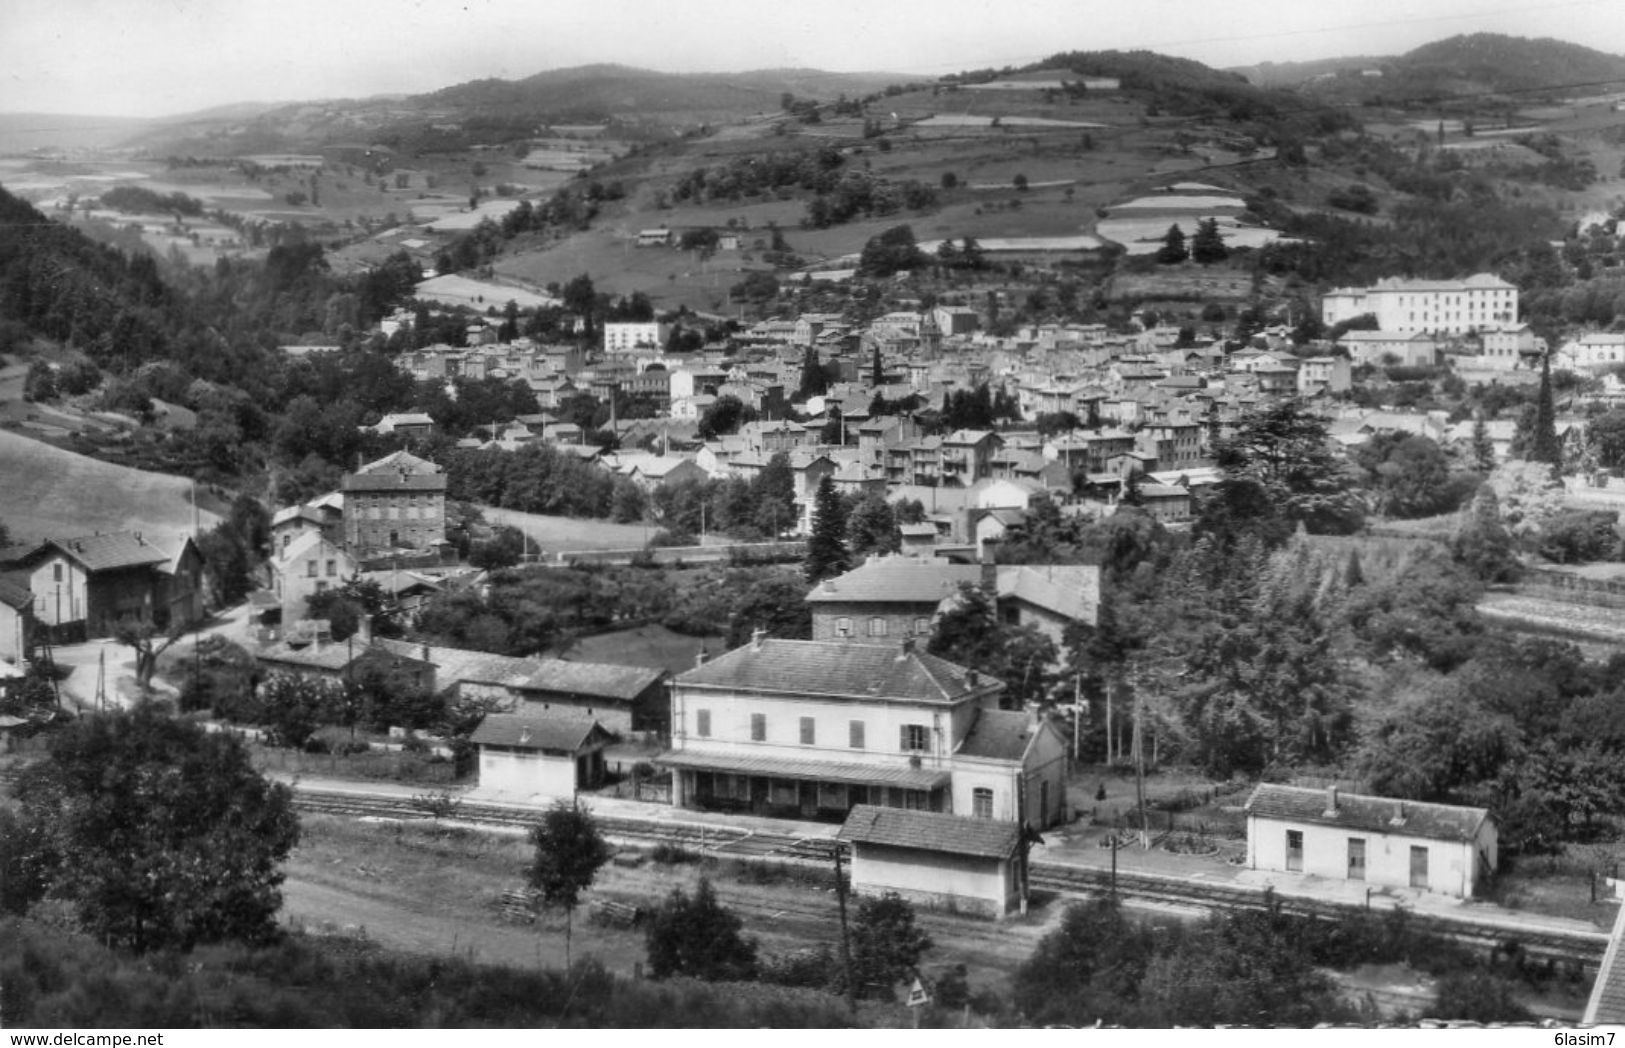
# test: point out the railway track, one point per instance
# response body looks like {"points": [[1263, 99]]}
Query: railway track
{"points": [[1584, 948], [723, 841]]}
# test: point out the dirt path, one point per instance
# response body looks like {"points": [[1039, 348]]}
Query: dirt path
{"points": [[441, 895]]}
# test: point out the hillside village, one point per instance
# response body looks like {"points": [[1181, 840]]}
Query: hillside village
{"points": [[1007, 546]]}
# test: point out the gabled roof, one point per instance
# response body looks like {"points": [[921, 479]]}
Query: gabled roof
{"points": [[897, 580], [1000, 735], [589, 678], [840, 670], [120, 549], [529, 732], [1447, 822], [930, 831], [1607, 1003]]}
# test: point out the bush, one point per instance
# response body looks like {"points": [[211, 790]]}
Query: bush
{"points": [[696, 936]]}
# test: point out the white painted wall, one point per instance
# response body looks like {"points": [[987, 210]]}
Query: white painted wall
{"points": [[527, 772], [882, 720], [934, 876], [1452, 865]]}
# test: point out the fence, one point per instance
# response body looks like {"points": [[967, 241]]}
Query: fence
{"points": [[396, 766]]}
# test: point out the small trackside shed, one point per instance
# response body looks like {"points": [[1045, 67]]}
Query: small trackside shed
{"points": [[942, 861], [535, 757], [1384, 842]]}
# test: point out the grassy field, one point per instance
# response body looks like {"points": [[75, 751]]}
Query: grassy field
{"points": [[654, 646], [49, 491], [553, 534]]}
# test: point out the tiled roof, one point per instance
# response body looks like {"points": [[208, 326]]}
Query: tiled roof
{"points": [[1607, 1003], [589, 678], [1001, 735], [1445, 822], [896, 579], [120, 549], [839, 669], [526, 731], [930, 831], [899, 775], [399, 471]]}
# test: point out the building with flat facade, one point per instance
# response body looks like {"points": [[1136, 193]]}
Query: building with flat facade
{"points": [[1452, 307], [396, 502]]}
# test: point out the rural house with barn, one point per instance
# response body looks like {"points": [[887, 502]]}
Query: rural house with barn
{"points": [[1384, 842]]}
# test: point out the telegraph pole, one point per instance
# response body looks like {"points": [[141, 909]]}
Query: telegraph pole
{"points": [[846, 937]]}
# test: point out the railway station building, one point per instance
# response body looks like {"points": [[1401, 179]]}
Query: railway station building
{"points": [[1383, 842], [810, 729]]}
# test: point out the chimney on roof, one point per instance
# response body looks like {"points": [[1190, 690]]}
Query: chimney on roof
{"points": [[756, 636], [829, 585], [971, 678], [1399, 814], [907, 647], [1331, 800], [700, 657]]}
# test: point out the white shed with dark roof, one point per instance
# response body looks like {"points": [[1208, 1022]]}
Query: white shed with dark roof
{"points": [[549, 757], [1381, 841], [942, 861]]}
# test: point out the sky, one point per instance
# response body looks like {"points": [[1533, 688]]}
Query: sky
{"points": [[166, 57]]}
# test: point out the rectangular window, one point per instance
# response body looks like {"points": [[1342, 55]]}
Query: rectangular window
{"points": [[877, 627], [915, 738], [332, 568], [981, 803], [56, 572], [922, 627], [310, 566], [1356, 858], [808, 732], [843, 627], [1419, 866], [854, 737], [758, 727], [1294, 850], [702, 723]]}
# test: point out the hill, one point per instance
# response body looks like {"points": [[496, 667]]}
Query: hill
{"points": [[1475, 65], [50, 491], [494, 110]]}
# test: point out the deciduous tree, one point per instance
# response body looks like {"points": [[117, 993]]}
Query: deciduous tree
{"points": [[569, 854], [158, 834], [696, 936]]}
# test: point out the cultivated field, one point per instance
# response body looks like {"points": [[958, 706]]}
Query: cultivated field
{"points": [[49, 491]]}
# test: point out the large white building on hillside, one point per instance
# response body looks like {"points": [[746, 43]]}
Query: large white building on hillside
{"points": [[1451, 307]]}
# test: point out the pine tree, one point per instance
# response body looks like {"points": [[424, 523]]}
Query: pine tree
{"points": [[877, 377], [1173, 246], [1207, 246], [1483, 447], [1544, 446], [813, 382], [826, 547]]}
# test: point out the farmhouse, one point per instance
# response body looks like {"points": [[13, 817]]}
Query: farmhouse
{"points": [[943, 861], [1384, 842], [546, 757], [84, 587], [888, 598]]}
